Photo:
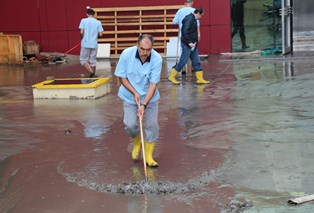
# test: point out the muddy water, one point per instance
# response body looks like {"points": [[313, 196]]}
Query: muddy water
{"points": [[272, 126], [242, 142]]}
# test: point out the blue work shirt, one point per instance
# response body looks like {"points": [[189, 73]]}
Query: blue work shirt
{"points": [[91, 27], [139, 75], [180, 15]]}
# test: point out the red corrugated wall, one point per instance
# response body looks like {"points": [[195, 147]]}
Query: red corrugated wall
{"points": [[54, 24]]}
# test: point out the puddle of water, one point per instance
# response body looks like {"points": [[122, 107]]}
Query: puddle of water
{"points": [[251, 129], [71, 81]]}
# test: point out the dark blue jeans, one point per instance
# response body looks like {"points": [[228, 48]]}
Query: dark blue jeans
{"points": [[185, 55]]}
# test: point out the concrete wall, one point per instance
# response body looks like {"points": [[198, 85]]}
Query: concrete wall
{"points": [[303, 27]]}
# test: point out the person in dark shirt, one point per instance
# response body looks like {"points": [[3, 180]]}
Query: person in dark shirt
{"points": [[237, 16], [189, 45]]}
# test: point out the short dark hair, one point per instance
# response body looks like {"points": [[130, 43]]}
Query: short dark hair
{"points": [[90, 12], [142, 36], [199, 10]]}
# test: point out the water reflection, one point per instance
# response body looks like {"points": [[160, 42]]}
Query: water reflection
{"points": [[13, 74], [144, 204], [288, 69], [71, 81], [261, 31]]}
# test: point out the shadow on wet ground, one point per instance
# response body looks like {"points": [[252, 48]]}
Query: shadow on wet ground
{"points": [[241, 144]]}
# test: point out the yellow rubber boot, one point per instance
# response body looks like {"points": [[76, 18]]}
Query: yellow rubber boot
{"points": [[149, 149], [136, 148], [200, 79], [173, 76]]}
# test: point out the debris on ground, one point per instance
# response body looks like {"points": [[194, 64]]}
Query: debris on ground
{"points": [[272, 51], [300, 200], [256, 52], [45, 58]]}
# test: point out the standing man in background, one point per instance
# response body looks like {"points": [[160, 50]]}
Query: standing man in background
{"points": [[180, 15], [139, 70], [189, 44], [237, 16], [90, 30]]}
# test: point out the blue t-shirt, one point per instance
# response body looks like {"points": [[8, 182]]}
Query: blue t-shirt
{"points": [[180, 15], [139, 75], [91, 27]]}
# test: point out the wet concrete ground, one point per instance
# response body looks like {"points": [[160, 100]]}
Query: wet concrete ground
{"points": [[241, 144]]}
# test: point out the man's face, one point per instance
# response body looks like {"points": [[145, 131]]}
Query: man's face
{"points": [[145, 48], [199, 15]]}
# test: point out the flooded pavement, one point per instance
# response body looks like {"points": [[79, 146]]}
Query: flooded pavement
{"points": [[241, 144]]}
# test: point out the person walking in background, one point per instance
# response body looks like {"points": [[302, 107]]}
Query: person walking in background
{"points": [[189, 45], [177, 20], [139, 70], [237, 16], [90, 30]]}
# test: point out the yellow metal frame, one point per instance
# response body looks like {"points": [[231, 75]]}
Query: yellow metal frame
{"points": [[97, 83]]}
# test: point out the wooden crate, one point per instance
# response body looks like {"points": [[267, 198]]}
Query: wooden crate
{"points": [[123, 25], [11, 49]]}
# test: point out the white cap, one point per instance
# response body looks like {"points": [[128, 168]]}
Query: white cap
{"points": [[87, 7]]}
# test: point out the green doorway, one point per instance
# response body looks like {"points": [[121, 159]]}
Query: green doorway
{"points": [[255, 25]]}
